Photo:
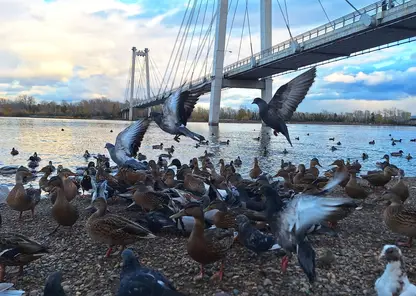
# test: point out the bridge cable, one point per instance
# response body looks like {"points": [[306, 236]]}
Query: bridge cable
{"points": [[174, 46], [209, 48], [231, 26], [126, 94], [287, 14], [241, 38], [286, 21], [153, 64], [140, 79], [249, 30], [190, 43], [353, 7], [182, 44], [323, 8]]}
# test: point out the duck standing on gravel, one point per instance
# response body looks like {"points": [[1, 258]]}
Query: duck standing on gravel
{"points": [[127, 145], [394, 279], [14, 152], [284, 102], [176, 111], [138, 280]]}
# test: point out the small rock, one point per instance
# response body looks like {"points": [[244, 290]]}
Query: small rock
{"points": [[267, 282]]}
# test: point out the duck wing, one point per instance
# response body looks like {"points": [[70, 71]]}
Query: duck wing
{"points": [[121, 224], [290, 95], [128, 141]]}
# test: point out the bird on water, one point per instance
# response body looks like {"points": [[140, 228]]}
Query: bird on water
{"points": [[176, 111], [284, 102]]}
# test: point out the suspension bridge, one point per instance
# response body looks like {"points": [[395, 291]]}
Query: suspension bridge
{"points": [[377, 26]]}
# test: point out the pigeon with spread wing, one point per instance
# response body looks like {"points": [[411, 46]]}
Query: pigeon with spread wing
{"points": [[284, 102], [176, 111], [127, 145]]}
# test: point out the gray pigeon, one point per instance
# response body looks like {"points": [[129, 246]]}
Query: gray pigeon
{"points": [[127, 145], [175, 114], [284, 102]]}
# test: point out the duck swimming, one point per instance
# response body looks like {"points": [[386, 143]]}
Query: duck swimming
{"points": [[14, 152]]}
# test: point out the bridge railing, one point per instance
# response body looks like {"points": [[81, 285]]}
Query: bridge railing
{"points": [[336, 24]]}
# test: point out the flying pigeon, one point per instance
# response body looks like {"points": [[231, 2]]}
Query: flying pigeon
{"points": [[284, 102], [176, 111], [290, 221], [127, 144], [142, 281]]}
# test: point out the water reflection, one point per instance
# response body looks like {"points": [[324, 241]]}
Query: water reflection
{"points": [[67, 147]]}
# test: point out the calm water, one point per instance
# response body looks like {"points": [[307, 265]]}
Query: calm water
{"points": [[67, 147]]}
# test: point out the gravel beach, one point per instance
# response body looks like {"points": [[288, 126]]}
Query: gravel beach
{"points": [[86, 272]]}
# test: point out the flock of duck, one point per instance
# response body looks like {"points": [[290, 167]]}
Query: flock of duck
{"points": [[216, 209]]}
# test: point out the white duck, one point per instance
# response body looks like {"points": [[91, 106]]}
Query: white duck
{"points": [[394, 280]]}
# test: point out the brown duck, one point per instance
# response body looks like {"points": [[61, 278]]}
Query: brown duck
{"points": [[341, 170], [113, 230], [379, 179], [206, 246], [43, 181], [148, 199], [256, 171], [400, 189], [18, 250], [313, 170], [194, 184], [64, 213], [353, 189], [401, 219], [21, 199], [302, 177]]}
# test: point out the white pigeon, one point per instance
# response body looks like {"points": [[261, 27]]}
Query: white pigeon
{"points": [[394, 280]]}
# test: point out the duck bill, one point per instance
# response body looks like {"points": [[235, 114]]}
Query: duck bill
{"points": [[178, 214]]}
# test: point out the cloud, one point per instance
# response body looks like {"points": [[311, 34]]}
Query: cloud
{"points": [[75, 49]]}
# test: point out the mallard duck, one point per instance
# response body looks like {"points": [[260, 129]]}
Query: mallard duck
{"points": [[64, 213], [256, 171], [160, 147], [379, 179], [341, 170], [169, 178], [86, 183], [50, 166], [35, 157], [238, 162], [166, 155], [398, 153], [400, 189], [332, 139], [86, 154], [353, 189], [113, 230], [393, 143], [356, 166], [43, 181], [225, 142], [14, 152], [364, 156], [141, 157], [206, 246], [409, 157], [302, 177], [208, 154], [372, 142], [18, 250], [148, 199], [401, 219], [171, 149], [197, 172], [339, 143], [194, 184], [162, 163], [333, 148], [70, 189], [21, 199], [312, 167]]}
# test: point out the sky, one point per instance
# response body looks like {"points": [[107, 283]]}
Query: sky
{"points": [[69, 50]]}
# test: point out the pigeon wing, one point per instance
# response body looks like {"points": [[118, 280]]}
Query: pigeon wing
{"points": [[129, 140], [288, 97], [187, 102]]}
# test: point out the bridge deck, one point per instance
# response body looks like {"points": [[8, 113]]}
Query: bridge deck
{"points": [[342, 37]]}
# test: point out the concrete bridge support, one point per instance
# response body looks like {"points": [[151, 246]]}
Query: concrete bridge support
{"points": [[217, 72]]}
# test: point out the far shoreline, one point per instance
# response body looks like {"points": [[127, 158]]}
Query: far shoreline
{"points": [[223, 121]]}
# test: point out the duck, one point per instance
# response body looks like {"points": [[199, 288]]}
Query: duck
{"points": [[364, 156], [302, 177], [409, 157], [166, 155], [256, 171], [256, 139], [341, 170], [161, 162], [21, 199], [112, 229], [393, 143], [285, 151], [50, 166], [394, 280], [139, 280], [372, 142], [208, 154], [398, 153], [70, 189], [206, 246], [171, 149], [87, 154], [148, 199], [18, 250], [193, 184], [379, 179], [225, 142], [35, 157], [14, 152], [160, 147], [33, 164], [333, 148], [169, 178], [332, 139], [141, 157], [86, 183], [297, 138], [43, 181], [413, 140], [338, 143], [64, 212], [400, 218], [400, 189], [238, 162], [353, 189], [312, 167]]}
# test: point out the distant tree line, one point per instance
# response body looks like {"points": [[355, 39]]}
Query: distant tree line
{"points": [[25, 105], [104, 108]]}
